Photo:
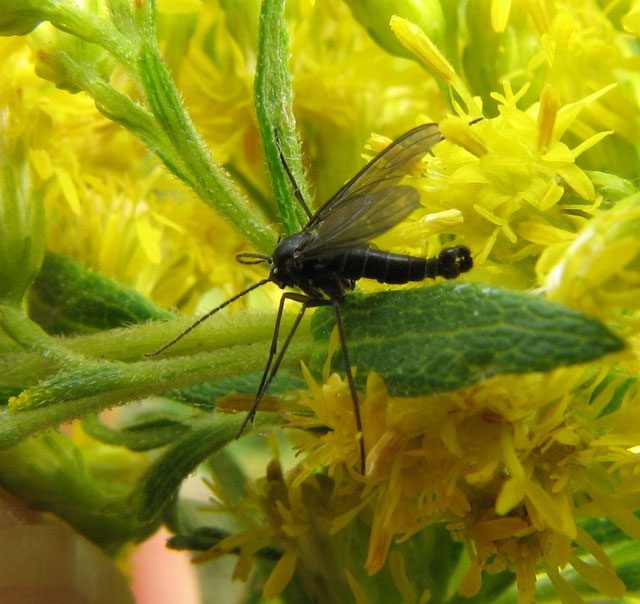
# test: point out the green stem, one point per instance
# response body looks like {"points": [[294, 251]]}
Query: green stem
{"points": [[168, 130], [209, 179], [140, 122], [133, 116], [32, 337], [217, 333], [110, 383], [97, 386], [23, 370], [276, 120]]}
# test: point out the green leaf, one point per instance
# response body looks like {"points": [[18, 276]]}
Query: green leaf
{"points": [[205, 395], [163, 479], [274, 109], [138, 436], [450, 335], [67, 298]]}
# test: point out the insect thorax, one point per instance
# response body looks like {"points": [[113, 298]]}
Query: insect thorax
{"points": [[313, 277]]}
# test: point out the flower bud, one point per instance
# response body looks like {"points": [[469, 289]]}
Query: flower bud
{"points": [[67, 61], [374, 16], [22, 233], [19, 18]]}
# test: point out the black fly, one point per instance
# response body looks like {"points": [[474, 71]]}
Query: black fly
{"points": [[332, 252]]}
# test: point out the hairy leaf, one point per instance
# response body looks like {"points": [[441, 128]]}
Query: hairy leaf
{"points": [[450, 335], [67, 298], [164, 477]]}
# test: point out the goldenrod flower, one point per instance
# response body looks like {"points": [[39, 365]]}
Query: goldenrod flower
{"points": [[115, 221], [513, 465], [538, 106], [509, 466]]}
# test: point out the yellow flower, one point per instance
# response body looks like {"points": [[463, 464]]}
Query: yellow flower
{"points": [[508, 187], [111, 207], [512, 466], [116, 210], [509, 465]]}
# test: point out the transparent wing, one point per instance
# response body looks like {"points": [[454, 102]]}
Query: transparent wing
{"points": [[384, 170], [371, 202], [374, 214]]}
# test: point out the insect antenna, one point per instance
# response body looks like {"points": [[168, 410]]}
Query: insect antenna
{"points": [[213, 311], [296, 189], [252, 258]]}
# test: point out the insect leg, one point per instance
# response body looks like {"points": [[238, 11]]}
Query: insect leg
{"points": [[271, 368], [274, 340], [351, 382], [204, 317], [296, 189]]}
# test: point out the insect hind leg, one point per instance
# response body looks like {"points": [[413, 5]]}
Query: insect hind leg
{"points": [[351, 382]]}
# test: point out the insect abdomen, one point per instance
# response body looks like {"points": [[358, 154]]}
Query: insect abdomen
{"points": [[385, 267]]}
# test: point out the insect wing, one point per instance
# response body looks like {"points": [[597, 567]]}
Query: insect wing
{"points": [[387, 168], [374, 214], [371, 202]]}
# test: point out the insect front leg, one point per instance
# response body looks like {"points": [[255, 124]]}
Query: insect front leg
{"points": [[212, 312], [274, 340], [273, 362]]}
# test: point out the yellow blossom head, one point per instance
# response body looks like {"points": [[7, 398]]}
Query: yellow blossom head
{"points": [[532, 99]]}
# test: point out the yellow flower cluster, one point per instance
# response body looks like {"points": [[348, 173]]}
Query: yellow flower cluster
{"points": [[536, 128], [510, 465]]}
